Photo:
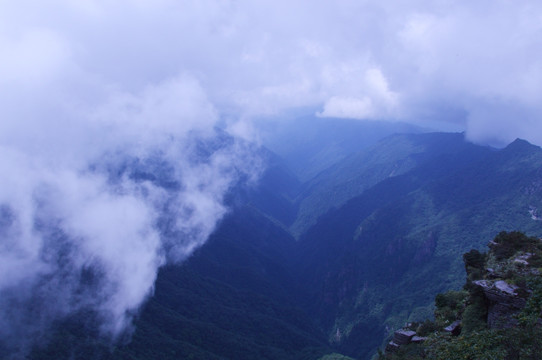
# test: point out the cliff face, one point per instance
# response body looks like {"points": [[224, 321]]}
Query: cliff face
{"points": [[504, 302]]}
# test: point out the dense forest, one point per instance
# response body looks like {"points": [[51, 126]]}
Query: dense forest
{"points": [[330, 267]]}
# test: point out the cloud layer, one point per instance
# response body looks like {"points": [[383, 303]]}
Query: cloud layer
{"points": [[90, 210], [416, 61], [93, 88]]}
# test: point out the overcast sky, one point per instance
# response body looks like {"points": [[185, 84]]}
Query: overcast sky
{"points": [[475, 63], [82, 81]]}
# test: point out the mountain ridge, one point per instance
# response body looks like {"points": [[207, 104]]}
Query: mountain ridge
{"points": [[366, 265], [452, 216]]}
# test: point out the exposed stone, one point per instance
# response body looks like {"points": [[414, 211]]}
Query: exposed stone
{"points": [[392, 347], [504, 302], [505, 287], [522, 259], [454, 328], [418, 339], [403, 337]]}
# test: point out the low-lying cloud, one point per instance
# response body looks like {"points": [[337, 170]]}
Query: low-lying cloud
{"points": [[93, 203]]}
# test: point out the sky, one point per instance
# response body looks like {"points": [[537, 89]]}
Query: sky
{"points": [[92, 82], [474, 64]]}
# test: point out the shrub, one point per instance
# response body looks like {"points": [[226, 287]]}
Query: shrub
{"points": [[474, 317], [506, 244], [474, 259], [426, 328]]}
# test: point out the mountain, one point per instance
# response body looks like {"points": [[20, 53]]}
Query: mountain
{"points": [[311, 144], [274, 194], [283, 279], [380, 259], [392, 156], [234, 299]]}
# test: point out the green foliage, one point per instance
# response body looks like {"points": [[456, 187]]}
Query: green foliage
{"points": [[476, 341], [233, 299], [361, 268], [477, 345], [474, 259], [451, 299], [408, 352], [474, 317], [504, 344], [335, 356], [507, 244], [390, 157], [531, 313], [474, 264], [426, 328], [400, 243], [450, 305]]}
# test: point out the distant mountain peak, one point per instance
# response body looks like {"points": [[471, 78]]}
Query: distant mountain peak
{"points": [[521, 145]]}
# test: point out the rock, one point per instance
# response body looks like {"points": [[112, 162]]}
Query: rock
{"points": [[505, 287], [403, 337], [418, 339], [485, 284], [522, 259], [392, 347], [504, 303], [454, 328]]}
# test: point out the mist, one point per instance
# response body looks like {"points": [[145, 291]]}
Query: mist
{"points": [[93, 203]]}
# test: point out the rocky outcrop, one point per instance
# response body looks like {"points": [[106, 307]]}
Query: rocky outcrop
{"points": [[418, 339], [454, 328], [403, 337], [504, 302], [491, 310], [392, 347]]}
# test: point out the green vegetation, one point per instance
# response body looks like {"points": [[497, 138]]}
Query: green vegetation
{"points": [[335, 356], [364, 269], [513, 339], [378, 261], [234, 299], [449, 306], [505, 245], [312, 144], [392, 156]]}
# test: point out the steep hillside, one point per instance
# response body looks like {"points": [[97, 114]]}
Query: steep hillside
{"points": [[389, 157], [273, 194], [495, 316], [234, 299], [379, 260], [311, 144], [406, 211]]}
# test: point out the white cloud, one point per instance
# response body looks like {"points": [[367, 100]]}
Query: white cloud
{"points": [[267, 57], [349, 107], [70, 203], [374, 101]]}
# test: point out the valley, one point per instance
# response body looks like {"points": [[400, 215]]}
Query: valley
{"points": [[312, 261]]}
